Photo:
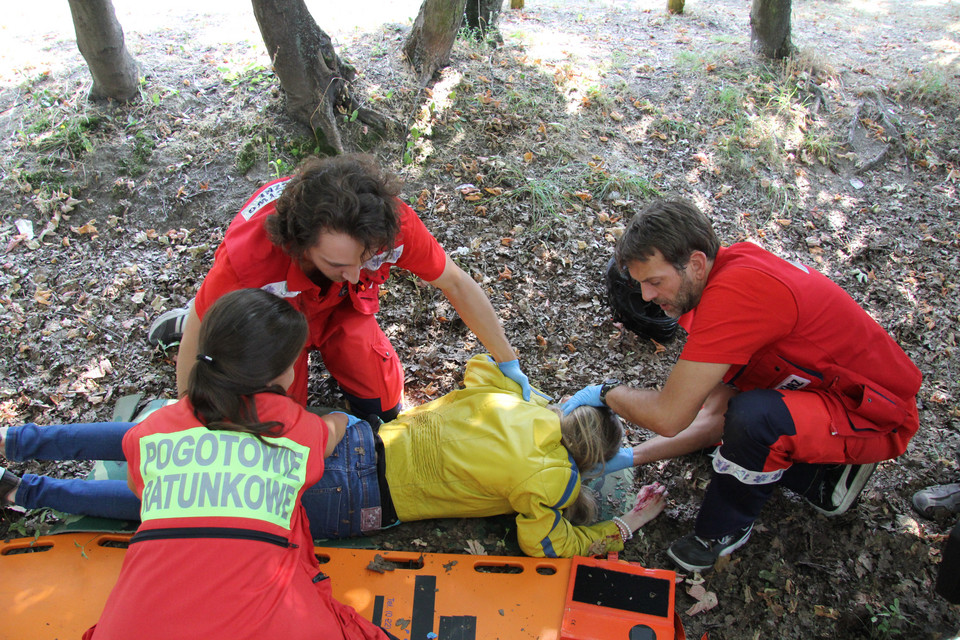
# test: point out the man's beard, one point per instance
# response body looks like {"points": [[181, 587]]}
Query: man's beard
{"points": [[686, 299]]}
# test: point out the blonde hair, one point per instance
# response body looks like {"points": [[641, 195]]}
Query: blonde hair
{"points": [[592, 436]]}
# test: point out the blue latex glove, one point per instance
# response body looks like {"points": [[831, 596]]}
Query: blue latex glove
{"points": [[351, 420], [511, 369], [588, 396], [623, 459]]}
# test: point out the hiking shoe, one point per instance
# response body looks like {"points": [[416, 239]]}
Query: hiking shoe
{"points": [[839, 488], [694, 553], [8, 482], [167, 330], [940, 499]]}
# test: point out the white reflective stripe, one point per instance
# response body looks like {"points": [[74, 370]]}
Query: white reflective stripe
{"points": [[799, 265], [746, 476], [263, 198], [280, 290], [378, 260]]}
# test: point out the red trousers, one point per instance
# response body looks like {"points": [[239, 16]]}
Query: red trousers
{"points": [[357, 354], [772, 438]]}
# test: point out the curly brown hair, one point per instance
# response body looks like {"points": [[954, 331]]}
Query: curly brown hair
{"points": [[347, 194]]}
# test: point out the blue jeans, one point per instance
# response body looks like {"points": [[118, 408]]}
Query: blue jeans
{"points": [[344, 503], [93, 441]]}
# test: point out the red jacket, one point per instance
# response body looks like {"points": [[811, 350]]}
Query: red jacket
{"points": [[247, 258], [224, 549], [793, 328]]}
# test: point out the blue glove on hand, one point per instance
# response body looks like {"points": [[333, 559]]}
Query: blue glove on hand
{"points": [[588, 396], [511, 369], [622, 459], [351, 420]]}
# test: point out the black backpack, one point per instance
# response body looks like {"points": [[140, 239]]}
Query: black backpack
{"points": [[645, 319]]}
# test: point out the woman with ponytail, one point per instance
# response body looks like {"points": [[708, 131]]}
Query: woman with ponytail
{"points": [[224, 548]]}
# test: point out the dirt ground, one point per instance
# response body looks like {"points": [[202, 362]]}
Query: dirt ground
{"points": [[525, 160]]}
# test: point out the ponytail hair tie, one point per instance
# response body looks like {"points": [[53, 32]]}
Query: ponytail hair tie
{"points": [[204, 357]]}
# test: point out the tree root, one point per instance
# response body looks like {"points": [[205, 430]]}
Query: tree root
{"points": [[891, 129]]}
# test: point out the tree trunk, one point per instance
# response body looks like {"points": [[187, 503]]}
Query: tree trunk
{"points": [[314, 79], [100, 40], [674, 6], [428, 46], [770, 28], [481, 15]]}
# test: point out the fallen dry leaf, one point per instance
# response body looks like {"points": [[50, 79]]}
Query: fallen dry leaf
{"points": [[706, 600], [85, 229], [825, 612], [474, 547]]}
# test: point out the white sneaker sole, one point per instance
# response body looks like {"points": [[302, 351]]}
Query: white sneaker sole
{"points": [[845, 499]]}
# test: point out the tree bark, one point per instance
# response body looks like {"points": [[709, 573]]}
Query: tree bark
{"points": [[481, 15], [312, 75], [428, 46], [770, 28], [101, 43], [674, 6]]}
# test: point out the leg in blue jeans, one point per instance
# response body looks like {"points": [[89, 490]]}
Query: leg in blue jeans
{"points": [[92, 441], [82, 441], [100, 498], [336, 506]]}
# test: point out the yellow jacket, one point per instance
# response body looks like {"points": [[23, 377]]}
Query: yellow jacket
{"points": [[484, 451]]}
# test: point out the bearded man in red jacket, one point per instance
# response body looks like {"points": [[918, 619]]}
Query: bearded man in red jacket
{"points": [[801, 385]]}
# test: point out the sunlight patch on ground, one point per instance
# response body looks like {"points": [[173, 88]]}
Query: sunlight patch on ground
{"points": [[950, 52], [870, 7], [440, 99], [577, 66], [203, 24]]}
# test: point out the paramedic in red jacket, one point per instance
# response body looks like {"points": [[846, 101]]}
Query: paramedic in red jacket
{"points": [[325, 239], [805, 389], [223, 551]]}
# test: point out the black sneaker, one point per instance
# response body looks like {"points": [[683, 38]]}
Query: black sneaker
{"points": [[694, 553], [167, 330], [839, 488]]}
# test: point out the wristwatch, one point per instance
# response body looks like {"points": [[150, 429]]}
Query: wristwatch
{"points": [[605, 388]]}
